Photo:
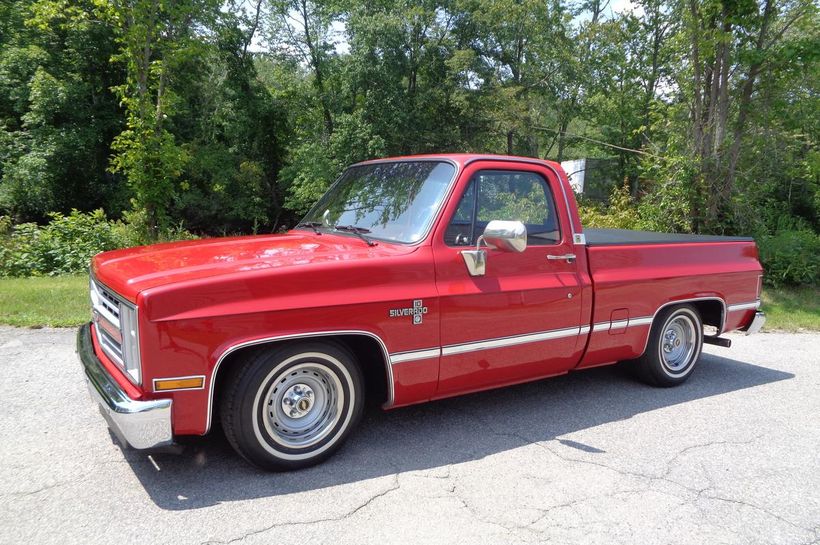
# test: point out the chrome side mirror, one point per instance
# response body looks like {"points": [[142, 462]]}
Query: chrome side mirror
{"points": [[507, 236]]}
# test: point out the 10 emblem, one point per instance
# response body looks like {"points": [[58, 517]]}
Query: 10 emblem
{"points": [[417, 311]]}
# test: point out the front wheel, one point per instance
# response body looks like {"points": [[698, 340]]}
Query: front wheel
{"points": [[293, 406], [674, 346]]}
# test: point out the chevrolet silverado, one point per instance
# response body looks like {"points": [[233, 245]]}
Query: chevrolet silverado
{"points": [[412, 279]]}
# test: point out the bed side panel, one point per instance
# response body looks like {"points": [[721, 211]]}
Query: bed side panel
{"points": [[637, 280]]}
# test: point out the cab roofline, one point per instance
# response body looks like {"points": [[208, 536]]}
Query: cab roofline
{"points": [[461, 159]]}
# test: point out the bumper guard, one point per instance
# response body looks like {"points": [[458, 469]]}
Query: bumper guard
{"points": [[138, 424], [756, 323]]}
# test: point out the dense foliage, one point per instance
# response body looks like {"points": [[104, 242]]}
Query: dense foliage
{"points": [[791, 257], [67, 242], [65, 245], [223, 117]]}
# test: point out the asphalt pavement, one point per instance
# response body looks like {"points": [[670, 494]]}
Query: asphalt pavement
{"points": [[731, 457]]}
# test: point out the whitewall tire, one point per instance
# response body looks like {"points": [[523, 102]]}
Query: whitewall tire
{"points": [[294, 405]]}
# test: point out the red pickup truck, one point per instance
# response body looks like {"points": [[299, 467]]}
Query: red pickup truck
{"points": [[411, 279]]}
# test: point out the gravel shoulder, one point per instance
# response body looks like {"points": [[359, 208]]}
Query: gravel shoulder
{"points": [[732, 456]]}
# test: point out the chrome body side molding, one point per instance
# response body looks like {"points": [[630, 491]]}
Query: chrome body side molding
{"points": [[644, 320], [744, 306], [488, 344], [415, 355], [510, 341], [621, 324]]}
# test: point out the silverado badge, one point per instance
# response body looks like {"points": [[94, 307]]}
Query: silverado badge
{"points": [[416, 311]]}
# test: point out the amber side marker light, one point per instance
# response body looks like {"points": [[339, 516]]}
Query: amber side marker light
{"points": [[179, 383]]}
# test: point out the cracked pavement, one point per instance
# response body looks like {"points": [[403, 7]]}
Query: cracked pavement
{"points": [[732, 456]]}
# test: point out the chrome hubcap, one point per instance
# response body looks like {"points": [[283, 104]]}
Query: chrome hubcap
{"points": [[298, 400], [678, 343], [302, 405]]}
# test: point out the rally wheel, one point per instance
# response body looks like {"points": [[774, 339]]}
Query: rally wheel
{"points": [[292, 406], [674, 346]]}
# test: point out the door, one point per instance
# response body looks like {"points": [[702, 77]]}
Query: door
{"points": [[521, 320]]}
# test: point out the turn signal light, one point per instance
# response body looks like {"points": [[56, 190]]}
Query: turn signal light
{"points": [[182, 383]]}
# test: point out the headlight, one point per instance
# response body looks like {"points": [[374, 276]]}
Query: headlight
{"points": [[130, 342], [115, 320]]}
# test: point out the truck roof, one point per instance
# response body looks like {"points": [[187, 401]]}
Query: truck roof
{"points": [[463, 159]]}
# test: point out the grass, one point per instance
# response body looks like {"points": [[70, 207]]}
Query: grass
{"points": [[792, 309], [52, 301], [62, 301]]}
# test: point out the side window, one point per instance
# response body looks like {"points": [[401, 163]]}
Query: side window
{"points": [[505, 195]]}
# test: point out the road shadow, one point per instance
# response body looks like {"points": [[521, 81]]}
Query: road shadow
{"points": [[452, 431]]}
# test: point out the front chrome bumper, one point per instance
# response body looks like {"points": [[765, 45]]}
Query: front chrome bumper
{"points": [[139, 424], [756, 323]]}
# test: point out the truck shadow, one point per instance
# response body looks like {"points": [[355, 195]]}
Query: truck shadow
{"points": [[452, 431]]}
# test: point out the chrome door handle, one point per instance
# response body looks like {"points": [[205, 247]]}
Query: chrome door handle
{"points": [[569, 257]]}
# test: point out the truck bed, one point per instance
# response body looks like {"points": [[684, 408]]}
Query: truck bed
{"points": [[635, 273], [618, 237]]}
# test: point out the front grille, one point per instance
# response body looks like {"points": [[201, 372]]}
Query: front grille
{"points": [[108, 302], [110, 345], [114, 323]]}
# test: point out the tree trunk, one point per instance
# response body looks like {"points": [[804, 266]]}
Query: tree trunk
{"points": [[746, 95], [316, 61], [697, 107], [159, 114], [562, 139], [252, 30]]}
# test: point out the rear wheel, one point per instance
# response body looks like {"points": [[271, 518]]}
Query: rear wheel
{"points": [[674, 346], [292, 406]]}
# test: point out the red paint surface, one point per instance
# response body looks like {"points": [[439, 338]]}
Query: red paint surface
{"points": [[199, 298], [521, 293]]}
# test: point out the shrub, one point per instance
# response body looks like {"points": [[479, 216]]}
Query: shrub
{"points": [[67, 243], [63, 246], [620, 214], [134, 231], [790, 257]]}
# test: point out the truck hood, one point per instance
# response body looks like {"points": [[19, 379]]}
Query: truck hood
{"points": [[132, 270]]}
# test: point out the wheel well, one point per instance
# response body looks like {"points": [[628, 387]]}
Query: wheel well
{"points": [[367, 351], [711, 312]]}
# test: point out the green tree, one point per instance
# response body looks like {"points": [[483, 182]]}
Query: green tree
{"points": [[57, 113], [235, 116], [156, 38], [231, 127], [729, 45]]}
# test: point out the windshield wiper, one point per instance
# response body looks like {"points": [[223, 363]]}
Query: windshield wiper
{"points": [[312, 224], [358, 231]]}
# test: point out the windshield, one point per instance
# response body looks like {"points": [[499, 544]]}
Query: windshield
{"points": [[394, 201]]}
